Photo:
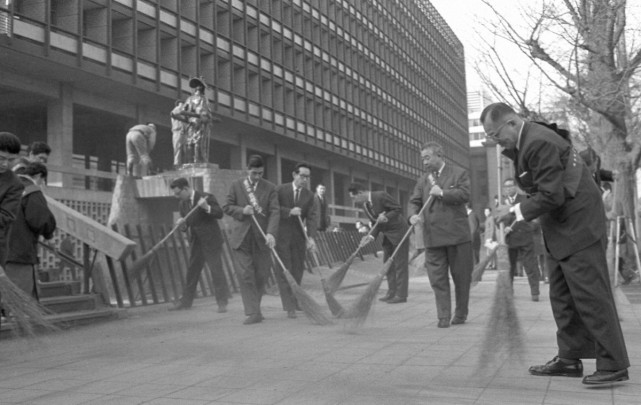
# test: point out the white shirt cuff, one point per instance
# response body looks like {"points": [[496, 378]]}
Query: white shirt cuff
{"points": [[516, 209]]}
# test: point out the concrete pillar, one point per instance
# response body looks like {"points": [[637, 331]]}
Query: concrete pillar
{"points": [[60, 134], [278, 164]]}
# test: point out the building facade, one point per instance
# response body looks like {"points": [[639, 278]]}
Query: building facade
{"points": [[352, 87]]}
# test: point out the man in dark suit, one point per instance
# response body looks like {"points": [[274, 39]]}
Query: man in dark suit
{"points": [[10, 190], [382, 208], [320, 206], [520, 241], [33, 219], [253, 196], [295, 202], [445, 189], [205, 241], [568, 202]]}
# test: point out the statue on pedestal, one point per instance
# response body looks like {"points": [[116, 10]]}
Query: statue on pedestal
{"points": [[197, 118]]}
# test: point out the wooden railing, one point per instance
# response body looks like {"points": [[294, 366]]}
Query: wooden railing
{"points": [[163, 279]]}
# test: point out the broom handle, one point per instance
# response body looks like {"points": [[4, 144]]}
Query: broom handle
{"points": [[358, 249], [314, 254], [407, 234], [265, 237], [174, 229]]}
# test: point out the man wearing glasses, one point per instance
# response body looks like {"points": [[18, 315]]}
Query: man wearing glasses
{"points": [[568, 203], [296, 201]]}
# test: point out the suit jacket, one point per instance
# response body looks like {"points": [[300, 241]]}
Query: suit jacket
{"points": [[522, 233], [237, 199], [322, 218], [396, 226], [33, 219], [289, 226], [203, 225], [10, 193], [562, 191], [445, 219]]}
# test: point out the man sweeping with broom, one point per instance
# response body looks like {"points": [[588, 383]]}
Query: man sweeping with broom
{"points": [[252, 201], [380, 207], [568, 203], [447, 237]]}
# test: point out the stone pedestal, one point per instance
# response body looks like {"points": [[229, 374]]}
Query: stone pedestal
{"points": [[149, 200]]}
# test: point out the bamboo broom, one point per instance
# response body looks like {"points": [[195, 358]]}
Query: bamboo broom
{"points": [[137, 267], [28, 314], [503, 336], [479, 269], [334, 306], [357, 313], [336, 279], [310, 307]]}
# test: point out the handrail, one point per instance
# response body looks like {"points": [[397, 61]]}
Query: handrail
{"points": [[82, 172]]}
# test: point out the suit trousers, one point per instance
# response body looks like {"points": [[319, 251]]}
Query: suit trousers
{"points": [[199, 255], [458, 259], [252, 271], [530, 262], [23, 276], [292, 253], [584, 310], [398, 274]]}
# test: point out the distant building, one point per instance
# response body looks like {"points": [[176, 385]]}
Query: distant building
{"points": [[352, 87], [485, 173]]}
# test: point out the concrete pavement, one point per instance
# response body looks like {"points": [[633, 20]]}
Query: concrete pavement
{"points": [[398, 357]]}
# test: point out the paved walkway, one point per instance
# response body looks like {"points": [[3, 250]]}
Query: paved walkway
{"points": [[398, 357]]}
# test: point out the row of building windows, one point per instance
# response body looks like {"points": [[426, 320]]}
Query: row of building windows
{"points": [[354, 96]]}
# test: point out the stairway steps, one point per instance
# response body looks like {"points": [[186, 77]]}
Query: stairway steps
{"points": [[70, 319], [57, 288], [71, 303]]}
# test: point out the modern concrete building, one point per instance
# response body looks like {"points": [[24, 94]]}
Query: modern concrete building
{"points": [[352, 87]]}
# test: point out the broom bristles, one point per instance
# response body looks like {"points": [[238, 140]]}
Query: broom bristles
{"points": [[479, 269], [310, 308], [503, 336], [334, 306], [336, 278], [137, 267], [28, 314], [358, 312]]}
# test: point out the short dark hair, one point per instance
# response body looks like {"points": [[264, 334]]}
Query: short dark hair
{"points": [[21, 165], [180, 183], [496, 111], [35, 168], [435, 147], [356, 188], [38, 147], [302, 164], [255, 161], [9, 143]]}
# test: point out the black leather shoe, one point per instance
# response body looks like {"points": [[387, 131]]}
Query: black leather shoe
{"points": [[396, 300], [386, 298], [252, 319], [556, 367], [458, 321], [443, 323], [606, 377]]}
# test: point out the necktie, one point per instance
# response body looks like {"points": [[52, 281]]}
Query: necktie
{"points": [[296, 195], [369, 210], [435, 174]]}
